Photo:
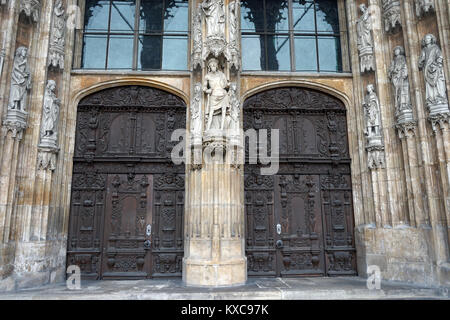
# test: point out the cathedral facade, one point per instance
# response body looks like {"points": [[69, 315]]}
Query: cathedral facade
{"points": [[217, 140]]}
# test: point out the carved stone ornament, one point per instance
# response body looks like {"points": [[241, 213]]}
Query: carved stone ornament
{"points": [[431, 61], [424, 7], [233, 29], [406, 129], [2, 52], [57, 39], [391, 15], [364, 40], [50, 114], [197, 48], [47, 158], [398, 74], [375, 157], [31, 8]]}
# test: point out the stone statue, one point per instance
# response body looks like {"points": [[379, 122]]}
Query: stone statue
{"points": [[20, 81], [372, 113], [233, 111], [215, 86], [424, 6], [196, 120], [391, 14], [398, 74], [364, 39], [431, 62], [215, 18], [57, 40], [50, 112]]}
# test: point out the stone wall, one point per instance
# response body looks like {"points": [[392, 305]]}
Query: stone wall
{"points": [[401, 186]]}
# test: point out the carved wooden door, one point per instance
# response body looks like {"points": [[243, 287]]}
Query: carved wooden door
{"points": [[127, 196], [299, 222], [127, 229]]}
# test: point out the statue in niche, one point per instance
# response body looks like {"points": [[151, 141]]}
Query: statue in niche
{"points": [[364, 39], [215, 18], [50, 112], [372, 113], [398, 74], [431, 62], [233, 110], [196, 121], [215, 86], [20, 81]]}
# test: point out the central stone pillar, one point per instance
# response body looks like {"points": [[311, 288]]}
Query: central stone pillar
{"points": [[214, 214]]}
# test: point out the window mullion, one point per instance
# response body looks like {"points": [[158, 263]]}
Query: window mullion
{"points": [[108, 36], [291, 34], [137, 13], [316, 37]]}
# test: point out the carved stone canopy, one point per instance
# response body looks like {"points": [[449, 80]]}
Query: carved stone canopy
{"points": [[31, 8]]}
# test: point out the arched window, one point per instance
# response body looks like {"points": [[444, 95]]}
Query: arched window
{"points": [[292, 35], [135, 35]]}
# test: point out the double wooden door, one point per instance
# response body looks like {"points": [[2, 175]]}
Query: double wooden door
{"points": [[299, 222], [127, 203]]}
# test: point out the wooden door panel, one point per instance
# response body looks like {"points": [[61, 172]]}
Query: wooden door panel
{"points": [[299, 213], [310, 197], [123, 181], [85, 227], [128, 213]]}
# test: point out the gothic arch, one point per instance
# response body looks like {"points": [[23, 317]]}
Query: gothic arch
{"points": [[301, 84]]}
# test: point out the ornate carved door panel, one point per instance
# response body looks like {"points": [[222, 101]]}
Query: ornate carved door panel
{"points": [[127, 230], [300, 221], [127, 196]]}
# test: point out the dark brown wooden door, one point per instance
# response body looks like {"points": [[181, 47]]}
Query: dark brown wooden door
{"points": [[299, 222], [127, 196]]}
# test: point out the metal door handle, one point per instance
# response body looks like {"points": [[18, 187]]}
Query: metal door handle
{"points": [[279, 244], [279, 228], [148, 230], [147, 244]]}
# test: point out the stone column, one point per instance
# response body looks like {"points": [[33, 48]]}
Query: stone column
{"points": [[214, 220]]}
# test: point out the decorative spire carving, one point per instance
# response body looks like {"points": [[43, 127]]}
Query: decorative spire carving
{"points": [[31, 8], [391, 15]]}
